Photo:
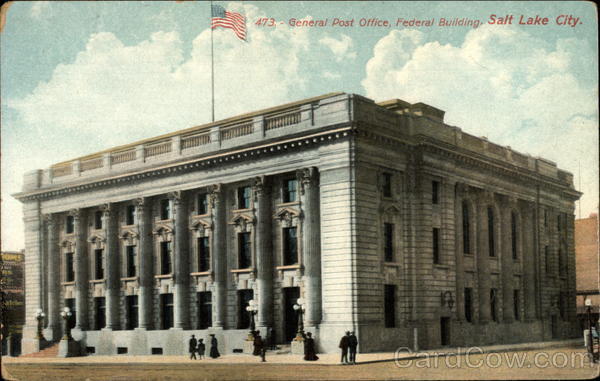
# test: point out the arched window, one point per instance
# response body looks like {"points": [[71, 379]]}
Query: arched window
{"points": [[513, 232], [466, 228], [491, 246]]}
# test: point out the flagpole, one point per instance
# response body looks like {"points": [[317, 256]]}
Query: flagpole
{"points": [[212, 65]]}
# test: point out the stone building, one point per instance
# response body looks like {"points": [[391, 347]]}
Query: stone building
{"points": [[385, 220], [588, 268], [12, 294]]}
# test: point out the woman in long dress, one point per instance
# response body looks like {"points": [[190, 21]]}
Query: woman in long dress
{"points": [[310, 354], [214, 350]]}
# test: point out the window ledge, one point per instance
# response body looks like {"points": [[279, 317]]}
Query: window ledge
{"points": [[97, 280], [201, 215], [441, 266], [163, 276], [247, 270], [288, 267], [129, 226], [129, 278], [291, 203], [391, 264], [166, 221], [201, 273], [72, 283], [469, 255]]}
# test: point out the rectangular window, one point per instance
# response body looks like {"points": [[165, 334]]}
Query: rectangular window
{"points": [[545, 218], [131, 260], [435, 189], [547, 259], [436, 245], [388, 237], [290, 246], [513, 232], [562, 305], [166, 302], [98, 220], [244, 251], [202, 204], [165, 209], [69, 269], [204, 310], [562, 268], [70, 302], [244, 194], [493, 304], [203, 254], [387, 185], [491, 243], [558, 222], [389, 305], [100, 310], [466, 226], [69, 224], [469, 304], [290, 190], [99, 262], [244, 297], [165, 258], [130, 215], [132, 311], [517, 304]]}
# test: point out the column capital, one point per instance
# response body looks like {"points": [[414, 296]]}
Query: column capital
{"points": [[75, 213], [176, 196], [486, 196], [107, 209], [48, 219], [215, 193], [260, 186], [307, 177], [462, 189]]}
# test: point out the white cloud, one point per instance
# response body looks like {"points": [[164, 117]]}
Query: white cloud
{"points": [[342, 49], [329, 75], [39, 9], [505, 84], [113, 93]]}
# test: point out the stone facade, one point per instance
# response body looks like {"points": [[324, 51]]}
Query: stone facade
{"points": [[385, 220]]}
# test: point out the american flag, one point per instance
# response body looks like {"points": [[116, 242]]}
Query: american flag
{"points": [[231, 20]]}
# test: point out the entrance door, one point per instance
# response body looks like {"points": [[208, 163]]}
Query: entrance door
{"points": [[290, 317], [445, 330]]}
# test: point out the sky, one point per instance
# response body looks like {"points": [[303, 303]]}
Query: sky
{"points": [[80, 77]]}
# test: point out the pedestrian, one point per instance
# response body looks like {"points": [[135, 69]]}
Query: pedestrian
{"points": [[310, 354], [214, 350], [352, 344], [271, 338], [344, 343], [193, 343], [201, 348], [258, 343]]}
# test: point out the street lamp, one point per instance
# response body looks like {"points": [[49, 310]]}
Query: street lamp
{"points": [[66, 315], [39, 316], [252, 309], [299, 307]]}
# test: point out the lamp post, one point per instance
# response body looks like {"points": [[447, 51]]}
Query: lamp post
{"points": [[66, 315], [39, 316], [299, 307], [252, 309]]}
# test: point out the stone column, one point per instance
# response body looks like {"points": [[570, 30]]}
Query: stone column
{"points": [[181, 265], [145, 273], [112, 269], [81, 269], [460, 193], [53, 274], [507, 260], [311, 244], [264, 265], [528, 258], [219, 257], [483, 261]]}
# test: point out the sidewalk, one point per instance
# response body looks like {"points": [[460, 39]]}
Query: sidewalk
{"points": [[324, 359]]}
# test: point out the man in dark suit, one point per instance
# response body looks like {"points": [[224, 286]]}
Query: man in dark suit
{"points": [[344, 343], [193, 343], [352, 344]]}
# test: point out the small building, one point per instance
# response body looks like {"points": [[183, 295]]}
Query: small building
{"points": [[12, 290], [588, 268], [378, 218]]}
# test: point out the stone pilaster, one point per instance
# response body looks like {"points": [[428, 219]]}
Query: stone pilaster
{"points": [[219, 257], [483, 269], [181, 265], [506, 258], [311, 244], [112, 273], [264, 266], [460, 194], [145, 273], [81, 269], [53, 278], [528, 258]]}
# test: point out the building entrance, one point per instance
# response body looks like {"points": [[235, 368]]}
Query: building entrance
{"points": [[290, 316]]}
